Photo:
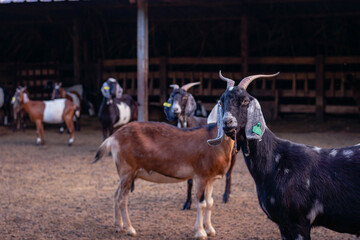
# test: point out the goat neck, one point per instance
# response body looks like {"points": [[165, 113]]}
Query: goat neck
{"points": [[259, 154]]}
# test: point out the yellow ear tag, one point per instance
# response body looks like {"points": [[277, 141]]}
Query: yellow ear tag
{"points": [[13, 99], [106, 88], [166, 104]]}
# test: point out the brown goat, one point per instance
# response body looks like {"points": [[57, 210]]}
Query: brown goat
{"points": [[182, 105], [161, 153], [54, 111]]}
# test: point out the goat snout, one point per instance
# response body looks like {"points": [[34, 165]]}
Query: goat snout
{"points": [[229, 121], [176, 109]]}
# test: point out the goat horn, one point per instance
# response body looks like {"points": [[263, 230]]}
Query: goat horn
{"points": [[246, 81], [189, 85], [175, 86], [230, 82]]}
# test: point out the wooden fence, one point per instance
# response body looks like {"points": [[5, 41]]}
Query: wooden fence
{"points": [[317, 85], [307, 85]]}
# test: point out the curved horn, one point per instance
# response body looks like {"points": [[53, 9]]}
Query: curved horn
{"points": [[175, 86], [230, 82], [246, 81], [189, 85]]}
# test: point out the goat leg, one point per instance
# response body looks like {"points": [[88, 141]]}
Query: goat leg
{"points": [[294, 231], [201, 205], [187, 204], [227, 192], [209, 204]]}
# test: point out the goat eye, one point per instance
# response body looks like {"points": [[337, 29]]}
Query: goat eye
{"points": [[245, 102]]}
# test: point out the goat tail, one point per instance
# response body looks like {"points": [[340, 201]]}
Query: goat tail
{"points": [[104, 148]]}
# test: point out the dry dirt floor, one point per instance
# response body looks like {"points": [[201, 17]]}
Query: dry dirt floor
{"points": [[54, 192]]}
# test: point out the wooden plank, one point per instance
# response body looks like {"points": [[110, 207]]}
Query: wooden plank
{"points": [[320, 87], [342, 84], [306, 84], [76, 57], [341, 109], [244, 45], [282, 60], [343, 60], [163, 79], [332, 86], [142, 59], [297, 108], [204, 60], [298, 93], [294, 84]]}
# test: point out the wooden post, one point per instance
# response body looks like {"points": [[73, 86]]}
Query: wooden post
{"points": [[244, 46], [142, 59], [163, 79], [76, 58], [320, 88]]}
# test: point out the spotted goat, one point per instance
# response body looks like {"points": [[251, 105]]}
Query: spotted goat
{"points": [[181, 105], [298, 186]]}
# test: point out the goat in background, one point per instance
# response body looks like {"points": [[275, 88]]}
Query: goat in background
{"points": [[53, 112]]}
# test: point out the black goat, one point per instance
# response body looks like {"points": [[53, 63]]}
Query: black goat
{"points": [[182, 105], [298, 186], [116, 112]]}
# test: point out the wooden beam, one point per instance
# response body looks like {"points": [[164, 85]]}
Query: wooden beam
{"points": [[320, 88], [76, 58], [244, 45], [142, 59], [163, 79]]}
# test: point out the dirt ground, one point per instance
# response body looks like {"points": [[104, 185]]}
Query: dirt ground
{"points": [[53, 192]]}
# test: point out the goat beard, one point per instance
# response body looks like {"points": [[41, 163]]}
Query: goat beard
{"points": [[242, 141]]}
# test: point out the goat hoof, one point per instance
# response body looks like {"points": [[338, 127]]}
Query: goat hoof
{"points": [[186, 206], [131, 232], [200, 234], [225, 198], [61, 130], [119, 229], [210, 231]]}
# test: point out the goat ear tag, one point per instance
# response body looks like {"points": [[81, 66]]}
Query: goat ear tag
{"points": [[13, 99], [256, 129], [166, 104], [106, 88]]}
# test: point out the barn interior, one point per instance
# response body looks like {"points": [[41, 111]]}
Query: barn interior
{"points": [[312, 43]]}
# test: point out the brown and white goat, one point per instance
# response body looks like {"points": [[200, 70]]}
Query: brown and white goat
{"points": [[161, 153], [53, 112], [73, 96], [181, 105]]}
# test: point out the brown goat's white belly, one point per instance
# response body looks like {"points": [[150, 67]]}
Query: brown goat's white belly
{"points": [[53, 111], [156, 177]]}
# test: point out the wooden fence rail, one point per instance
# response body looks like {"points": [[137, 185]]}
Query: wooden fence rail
{"points": [[325, 88], [319, 85]]}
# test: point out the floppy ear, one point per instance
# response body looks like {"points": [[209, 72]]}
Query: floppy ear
{"points": [[213, 116], [255, 125], [190, 105], [219, 121]]}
